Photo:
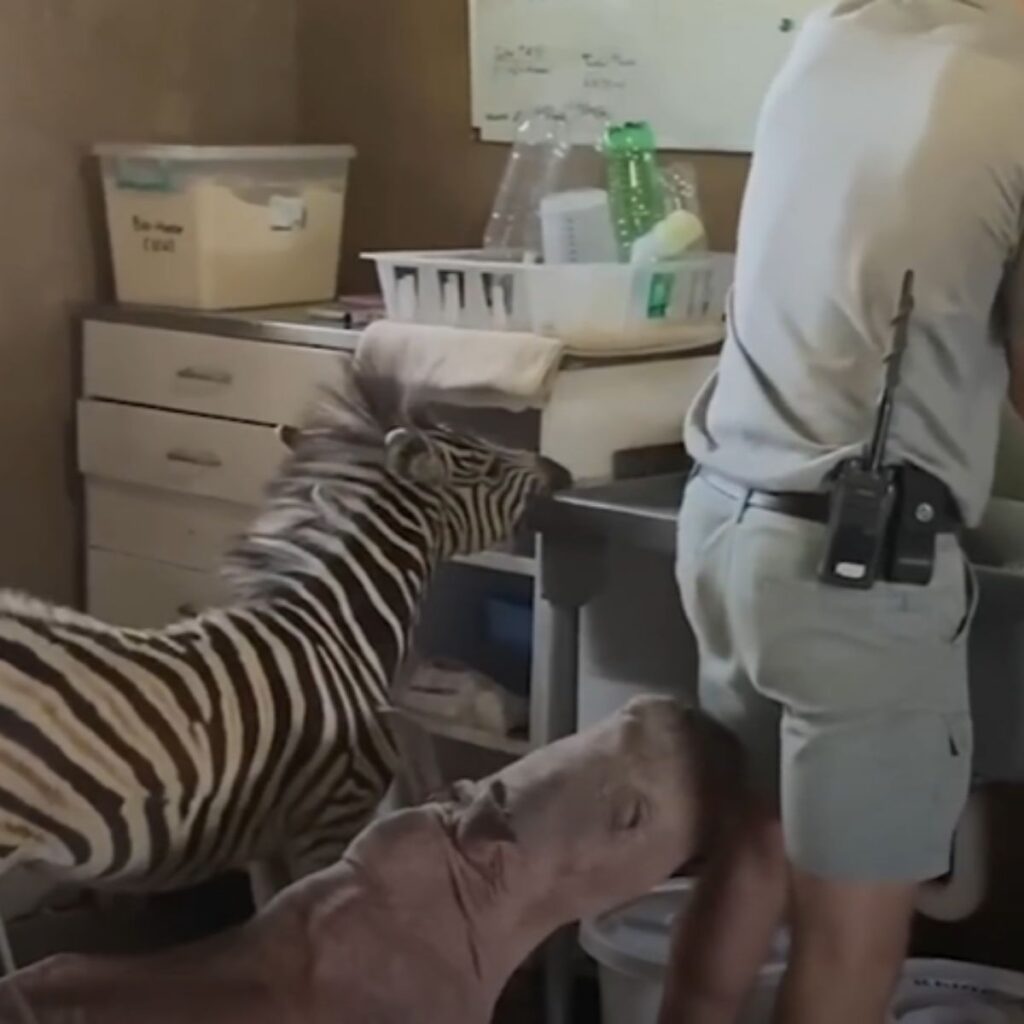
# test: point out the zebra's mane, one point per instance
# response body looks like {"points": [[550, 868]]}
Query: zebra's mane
{"points": [[359, 410], [337, 456], [18, 605]]}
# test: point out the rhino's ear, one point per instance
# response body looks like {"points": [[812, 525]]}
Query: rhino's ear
{"points": [[486, 821]]}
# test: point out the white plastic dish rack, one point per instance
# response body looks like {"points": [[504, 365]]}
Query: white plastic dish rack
{"points": [[600, 307]]}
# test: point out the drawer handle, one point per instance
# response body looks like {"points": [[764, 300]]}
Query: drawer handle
{"points": [[221, 377], [188, 610], [207, 461]]}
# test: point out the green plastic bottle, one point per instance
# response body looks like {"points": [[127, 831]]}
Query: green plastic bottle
{"points": [[636, 189]]}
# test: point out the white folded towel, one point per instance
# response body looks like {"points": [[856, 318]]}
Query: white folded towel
{"points": [[493, 368], [450, 691], [651, 339]]}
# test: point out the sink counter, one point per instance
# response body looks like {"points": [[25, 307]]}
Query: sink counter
{"points": [[606, 564], [643, 512], [290, 325]]}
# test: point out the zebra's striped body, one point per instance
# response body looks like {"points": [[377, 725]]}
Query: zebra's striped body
{"points": [[152, 759]]}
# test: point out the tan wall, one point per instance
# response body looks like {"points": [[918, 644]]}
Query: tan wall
{"points": [[392, 77], [72, 72]]}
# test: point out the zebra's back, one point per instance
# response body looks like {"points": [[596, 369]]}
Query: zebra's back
{"points": [[155, 758]]}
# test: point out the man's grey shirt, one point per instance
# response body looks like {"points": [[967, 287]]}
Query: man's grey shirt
{"points": [[893, 140]]}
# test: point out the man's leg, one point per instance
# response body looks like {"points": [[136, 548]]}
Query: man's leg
{"points": [[849, 944], [723, 942]]}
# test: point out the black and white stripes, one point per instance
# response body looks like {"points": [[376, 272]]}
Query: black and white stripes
{"points": [[153, 759]]}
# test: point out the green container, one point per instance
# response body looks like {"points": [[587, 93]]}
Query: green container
{"points": [[636, 189]]}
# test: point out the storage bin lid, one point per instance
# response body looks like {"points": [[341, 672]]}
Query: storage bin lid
{"points": [[635, 939], [215, 154]]}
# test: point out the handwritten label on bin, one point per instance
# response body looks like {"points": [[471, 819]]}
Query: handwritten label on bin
{"points": [[157, 236]]}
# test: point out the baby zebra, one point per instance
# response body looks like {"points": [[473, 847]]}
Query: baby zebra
{"points": [[152, 759]]}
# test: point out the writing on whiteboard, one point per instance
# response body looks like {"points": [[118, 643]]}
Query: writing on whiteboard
{"points": [[516, 61], [607, 70], [598, 69], [527, 75], [698, 70]]}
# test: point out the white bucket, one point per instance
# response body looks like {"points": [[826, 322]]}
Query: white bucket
{"points": [[631, 948], [948, 992]]}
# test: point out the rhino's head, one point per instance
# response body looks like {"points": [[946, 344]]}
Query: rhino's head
{"points": [[461, 890], [599, 818]]}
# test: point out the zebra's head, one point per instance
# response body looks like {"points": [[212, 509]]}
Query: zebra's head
{"points": [[480, 489], [473, 492]]}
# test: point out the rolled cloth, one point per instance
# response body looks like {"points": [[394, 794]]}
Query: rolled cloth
{"points": [[504, 369]]}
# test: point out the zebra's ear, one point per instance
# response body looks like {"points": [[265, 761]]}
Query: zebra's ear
{"points": [[410, 456], [289, 437]]}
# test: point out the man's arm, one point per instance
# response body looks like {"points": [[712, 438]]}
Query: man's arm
{"points": [[1013, 299]]}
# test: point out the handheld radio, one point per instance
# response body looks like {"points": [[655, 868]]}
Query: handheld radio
{"points": [[863, 496]]}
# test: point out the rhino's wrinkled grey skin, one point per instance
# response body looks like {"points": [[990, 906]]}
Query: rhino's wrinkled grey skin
{"points": [[432, 909]]}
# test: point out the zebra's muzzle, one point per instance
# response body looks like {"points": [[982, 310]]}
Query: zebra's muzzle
{"points": [[556, 476]]}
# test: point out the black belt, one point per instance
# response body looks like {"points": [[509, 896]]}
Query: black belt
{"points": [[808, 505]]}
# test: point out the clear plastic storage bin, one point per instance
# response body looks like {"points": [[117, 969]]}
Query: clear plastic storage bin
{"points": [[592, 307], [225, 227]]}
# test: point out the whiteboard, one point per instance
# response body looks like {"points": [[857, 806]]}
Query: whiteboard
{"points": [[697, 70]]}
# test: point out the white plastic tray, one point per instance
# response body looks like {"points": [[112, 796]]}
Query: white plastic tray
{"points": [[605, 308]]}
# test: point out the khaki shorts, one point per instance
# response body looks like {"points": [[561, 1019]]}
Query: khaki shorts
{"points": [[852, 705]]}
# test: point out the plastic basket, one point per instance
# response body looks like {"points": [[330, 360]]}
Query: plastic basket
{"points": [[599, 307]]}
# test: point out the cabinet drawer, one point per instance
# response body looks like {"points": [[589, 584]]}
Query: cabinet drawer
{"points": [[230, 377], [138, 592], [174, 452], [191, 532]]}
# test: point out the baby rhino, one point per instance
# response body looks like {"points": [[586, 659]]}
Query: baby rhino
{"points": [[433, 908]]}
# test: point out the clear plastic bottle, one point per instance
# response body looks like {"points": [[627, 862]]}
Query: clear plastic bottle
{"points": [[636, 188], [534, 170], [587, 165]]}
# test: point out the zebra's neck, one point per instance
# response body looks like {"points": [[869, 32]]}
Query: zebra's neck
{"points": [[363, 566]]}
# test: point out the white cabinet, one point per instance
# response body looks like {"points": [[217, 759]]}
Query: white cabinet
{"points": [[140, 592], [175, 452], [175, 529], [235, 378], [177, 442]]}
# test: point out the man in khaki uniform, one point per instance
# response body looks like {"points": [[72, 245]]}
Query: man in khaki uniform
{"points": [[892, 141]]}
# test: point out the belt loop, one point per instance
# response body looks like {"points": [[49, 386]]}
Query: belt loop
{"points": [[741, 512]]}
